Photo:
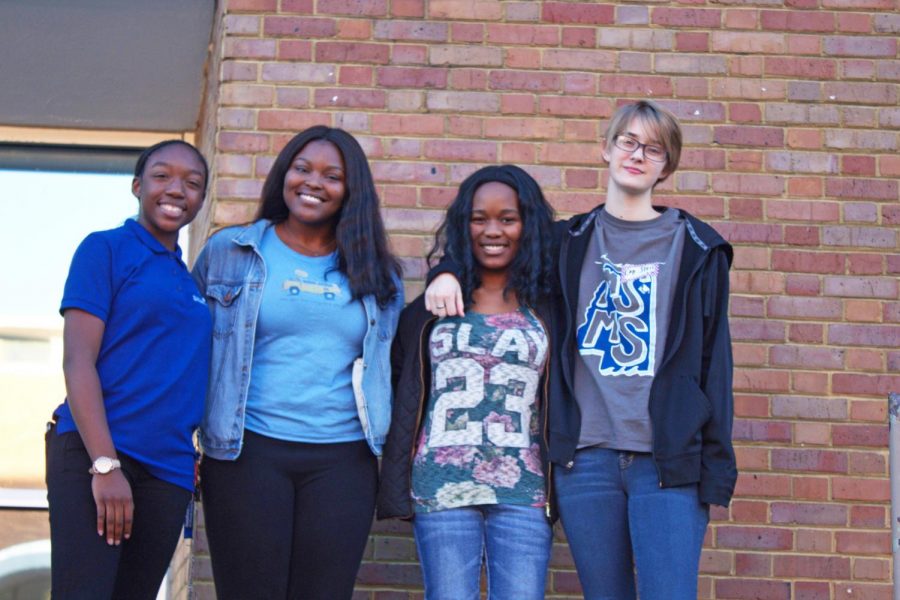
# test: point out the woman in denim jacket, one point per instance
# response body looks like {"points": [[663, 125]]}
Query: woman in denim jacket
{"points": [[305, 302]]}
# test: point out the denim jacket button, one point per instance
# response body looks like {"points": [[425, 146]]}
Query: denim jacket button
{"points": [[570, 464], [372, 322]]}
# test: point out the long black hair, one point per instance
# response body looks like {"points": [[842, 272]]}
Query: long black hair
{"points": [[530, 271], [141, 163], [362, 249]]}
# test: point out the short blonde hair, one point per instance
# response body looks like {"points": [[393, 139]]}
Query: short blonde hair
{"points": [[656, 119]]}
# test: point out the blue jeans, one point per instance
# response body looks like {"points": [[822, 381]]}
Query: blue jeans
{"points": [[514, 541], [618, 520]]}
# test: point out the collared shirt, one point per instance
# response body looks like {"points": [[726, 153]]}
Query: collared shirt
{"points": [[154, 355]]}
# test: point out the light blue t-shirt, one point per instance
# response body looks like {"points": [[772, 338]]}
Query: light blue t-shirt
{"points": [[308, 333]]}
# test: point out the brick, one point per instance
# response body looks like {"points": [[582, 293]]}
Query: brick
{"points": [[861, 93], [802, 162], [816, 567], [860, 542], [873, 517], [741, 19], [526, 35], [238, 188], [411, 77], [243, 142], [798, 210], [757, 538], [635, 85], [236, 118], [465, 55], [867, 463], [867, 410], [752, 565], [860, 359], [804, 308], [252, 5], [839, 45], [525, 81], [523, 129], [807, 262], [751, 406], [809, 460], [805, 333], [691, 87], [431, 125], [580, 60], [858, 165], [871, 237], [737, 183], [818, 434], [355, 76], [403, 148], [759, 431], [346, 97], [248, 48], [582, 13], [522, 104], [865, 385], [811, 488], [704, 64], [856, 140], [522, 11], [803, 285], [579, 37], [796, 235], [298, 73], [468, 79], [704, 160], [464, 150], [304, 27], [405, 101], [692, 41], [749, 136], [861, 287], [789, 20], [760, 283], [465, 126], [860, 435], [871, 568], [472, 10], [745, 589], [857, 69], [246, 95], [748, 42], [411, 31], [295, 50], [829, 409], [352, 52], [556, 153], [818, 68], [408, 8], [887, 23], [686, 17], [353, 8], [463, 101], [763, 485]]}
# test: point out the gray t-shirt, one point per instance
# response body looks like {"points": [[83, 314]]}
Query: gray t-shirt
{"points": [[624, 300]]}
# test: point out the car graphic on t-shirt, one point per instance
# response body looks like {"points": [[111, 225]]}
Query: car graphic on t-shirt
{"points": [[306, 285]]}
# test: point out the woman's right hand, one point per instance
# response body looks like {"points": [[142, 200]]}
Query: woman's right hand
{"points": [[443, 297], [115, 507]]}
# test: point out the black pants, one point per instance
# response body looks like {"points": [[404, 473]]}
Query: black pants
{"points": [[288, 519], [83, 565]]}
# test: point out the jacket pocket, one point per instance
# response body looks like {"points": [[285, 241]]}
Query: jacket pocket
{"points": [[680, 418], [223, 307]]}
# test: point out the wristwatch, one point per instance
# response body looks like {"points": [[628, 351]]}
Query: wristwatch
{"points": [[104, 465]]}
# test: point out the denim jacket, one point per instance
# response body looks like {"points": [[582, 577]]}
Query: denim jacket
{"points": [[231, 273]]}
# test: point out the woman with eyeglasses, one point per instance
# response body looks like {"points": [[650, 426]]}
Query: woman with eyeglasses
{"points": [[640, 436]]}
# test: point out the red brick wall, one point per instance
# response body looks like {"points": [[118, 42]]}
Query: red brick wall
{"points": [[790, 111]]}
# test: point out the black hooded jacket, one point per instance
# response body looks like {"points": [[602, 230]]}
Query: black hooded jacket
{"points": [[691, 403]]}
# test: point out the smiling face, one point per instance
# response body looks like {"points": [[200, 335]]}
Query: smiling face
{"points": [[495, 226], [170, 191], [632, 172], [314, 185]]}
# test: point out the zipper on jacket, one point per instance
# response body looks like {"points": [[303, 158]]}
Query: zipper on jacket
{"points": [[546, 407], [415, 439]]}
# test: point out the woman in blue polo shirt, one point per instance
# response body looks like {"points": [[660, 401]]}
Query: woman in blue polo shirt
{"points": [[305, 302], [120, 456]]}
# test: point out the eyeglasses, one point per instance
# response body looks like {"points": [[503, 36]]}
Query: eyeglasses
{"points": [[630, 145]]}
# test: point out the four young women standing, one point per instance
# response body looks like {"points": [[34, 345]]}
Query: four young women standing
{"points": [[599, 345]]}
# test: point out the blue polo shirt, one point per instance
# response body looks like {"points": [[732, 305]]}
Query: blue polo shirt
{"points": [[154, 357]]}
